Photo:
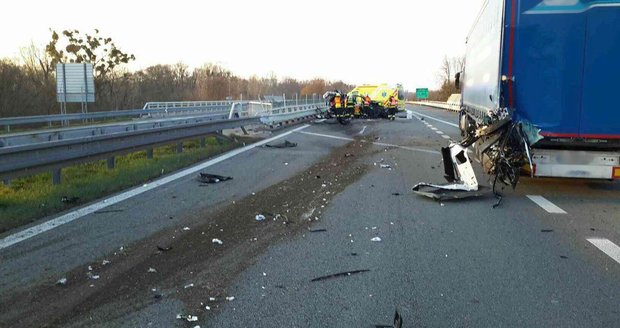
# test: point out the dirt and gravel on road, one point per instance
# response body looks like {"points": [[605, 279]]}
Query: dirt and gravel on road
{"points": [[194, 263]]}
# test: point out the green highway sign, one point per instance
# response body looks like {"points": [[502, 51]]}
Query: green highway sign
{"points": [[421, 93]]}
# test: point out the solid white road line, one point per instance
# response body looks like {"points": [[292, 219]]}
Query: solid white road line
{"points": [[79, 213], [363, 129], [374, 143], [612, 250], [545, 204], [438, 120]]}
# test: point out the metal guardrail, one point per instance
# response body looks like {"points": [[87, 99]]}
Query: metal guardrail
{"points": [[28, 153], [453, 103]]}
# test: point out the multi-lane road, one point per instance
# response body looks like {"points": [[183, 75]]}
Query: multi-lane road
{"points": [[546, 257]]}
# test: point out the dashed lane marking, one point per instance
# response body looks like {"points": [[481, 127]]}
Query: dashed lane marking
{"points": [[438, 120], [612, 250], [545, 204]]}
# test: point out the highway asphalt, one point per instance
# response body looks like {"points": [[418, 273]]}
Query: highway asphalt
{"points": [[440, 264]]}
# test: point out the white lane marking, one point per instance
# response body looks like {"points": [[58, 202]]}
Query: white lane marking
{"points": [[438, 120], [79, 213], [434, 152], [326, 136], [438, 132], [445, 136], [545, 204], [363, 129], [612, 250], [434, 129]]}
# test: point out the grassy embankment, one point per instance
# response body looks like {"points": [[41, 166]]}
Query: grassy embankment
{"points": [[28, 199]]}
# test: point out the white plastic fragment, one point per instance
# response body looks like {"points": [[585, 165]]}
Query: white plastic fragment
{"points": [[151, 270], [230, 298], [90, 268], [208, 308], [188, 286], [186, 229], [61, 281], [260, 217], [376, 239], [105, 262], [217, 241], [212, 299]]}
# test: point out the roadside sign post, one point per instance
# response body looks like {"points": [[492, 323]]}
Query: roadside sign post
{"points": [[421, 93], [75, 83]]}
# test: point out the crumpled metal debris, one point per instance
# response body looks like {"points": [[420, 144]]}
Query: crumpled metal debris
{"points": [[212, 178], [61, 281], [285, 144], [458, 172], [217, 241], [260, 217], [376, 239]]}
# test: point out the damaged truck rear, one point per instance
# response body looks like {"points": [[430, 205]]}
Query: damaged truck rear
{"points": [[540, 92], [540, 89]]}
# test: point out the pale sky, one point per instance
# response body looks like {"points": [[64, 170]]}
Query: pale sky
{"points": [[357, 41]]}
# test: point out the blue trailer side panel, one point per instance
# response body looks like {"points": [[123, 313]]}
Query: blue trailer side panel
{"points": [[600, 114], [565, 65]]}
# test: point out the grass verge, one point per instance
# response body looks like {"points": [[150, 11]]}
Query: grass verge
{"points": [[28, 199]]}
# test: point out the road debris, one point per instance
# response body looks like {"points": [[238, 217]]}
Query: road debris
{"points": [[151, 270], [164, 249], [285, 144], [546, 230], [61, 281], [105, 262], [212, 178], [217, 241], [339, 275], [260, 217], [318, 230], [186, 229], [92, 276], [385, 166], [395, 194], [188, 286], [188, 317], [230, 298], [376, 239], [69, 199]]}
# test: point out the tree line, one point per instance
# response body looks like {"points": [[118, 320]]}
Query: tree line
{"points": [[28, 83]]}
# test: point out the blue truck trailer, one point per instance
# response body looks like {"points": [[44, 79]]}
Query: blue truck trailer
{"points": [[541, 88]]}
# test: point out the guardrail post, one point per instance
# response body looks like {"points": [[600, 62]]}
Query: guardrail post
{"points": [[203, 142], [179, 147], [56, 176], [149, 153], [111, 162]]}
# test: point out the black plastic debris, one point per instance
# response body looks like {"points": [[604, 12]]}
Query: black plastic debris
{"points": [[285, 144], [546, 230], [348, 155], [563, 257], [439, 194], [398, 322], [395, 194], [318, 230], [69, 199], [212, 178], [353, 254], [339, 275], [164, 248]]}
